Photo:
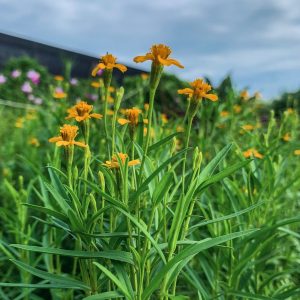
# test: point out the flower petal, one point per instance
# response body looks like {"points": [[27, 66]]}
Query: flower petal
{"points": [[80, 144], [123, 121], [96, 116], [134, 162], [121, 67], [55, 139], [63, 143], [211, 97], [186, 91], [142, 58]]}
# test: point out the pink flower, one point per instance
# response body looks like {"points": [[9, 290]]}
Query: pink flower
{"points": [[16, 73], [99, 73], [33, 76], [38, 101], [26, 88], [2, 79], [73, 81]]}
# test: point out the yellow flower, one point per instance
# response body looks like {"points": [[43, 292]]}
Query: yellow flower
{"points": [[179, 128], [244, 95], [58, 78], [114, 163], [198, 91], [248, 127], [287, 137], [95, 84], [67, 137], [237, 108], [159, 54], [110, 112], [81, 112], [152, 132], [144, 76], [289, 111], [111, 89], [31, 115], [164, 118], [59, 95], [132, 117], [297, 152], [257, 96], [146, 106], [224, 113], [252, 152], [34, 142], [19, 122], [108, 62]]}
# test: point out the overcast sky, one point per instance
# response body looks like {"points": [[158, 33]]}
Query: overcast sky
{"points": [[257, 41]]}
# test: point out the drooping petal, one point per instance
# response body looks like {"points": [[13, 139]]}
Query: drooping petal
{"points": [[121, 67], [123, 121], [80, 144], [186, 91], [175, 62], [134, 162], [96, 116], [142, 58], [81, 118], [55, 139], [211, 97], [169, 62], [95, 70], [63, 143]]}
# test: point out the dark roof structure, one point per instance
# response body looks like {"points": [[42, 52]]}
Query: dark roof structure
{"points": [[51, 57]]}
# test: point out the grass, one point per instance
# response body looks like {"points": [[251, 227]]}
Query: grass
{"points": [[204, 205]]}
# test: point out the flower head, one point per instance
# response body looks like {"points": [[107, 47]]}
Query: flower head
{"points": [[287, 137], [237, 108], [59, 93], [252, 152], [16, 73], [132, 117], [26, 88], [58, 78], [114, 163], [33, 76], [2, 79], [297, 152], [224, 113], [81, 112], [248, 127], [74, 81], [244, 95], [199, 89], [108, 62], [34, 142], [67, 137], [159, 54]]}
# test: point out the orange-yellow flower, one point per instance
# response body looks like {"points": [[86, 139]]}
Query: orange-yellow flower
{"points": [[244, 95], [248, 127], [132, 117], [237, 108], [297, 152], [146, 106], [95, 84], [287, 137], [81, 112], [224, 113], [159, 54], [144, 76], [58, 78], [108, 62], [198, 91], [257, 95], [164, 118], [20, 122], [34, 142], [114, 163], [67, 137], [252, 152], [59, 95]]}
